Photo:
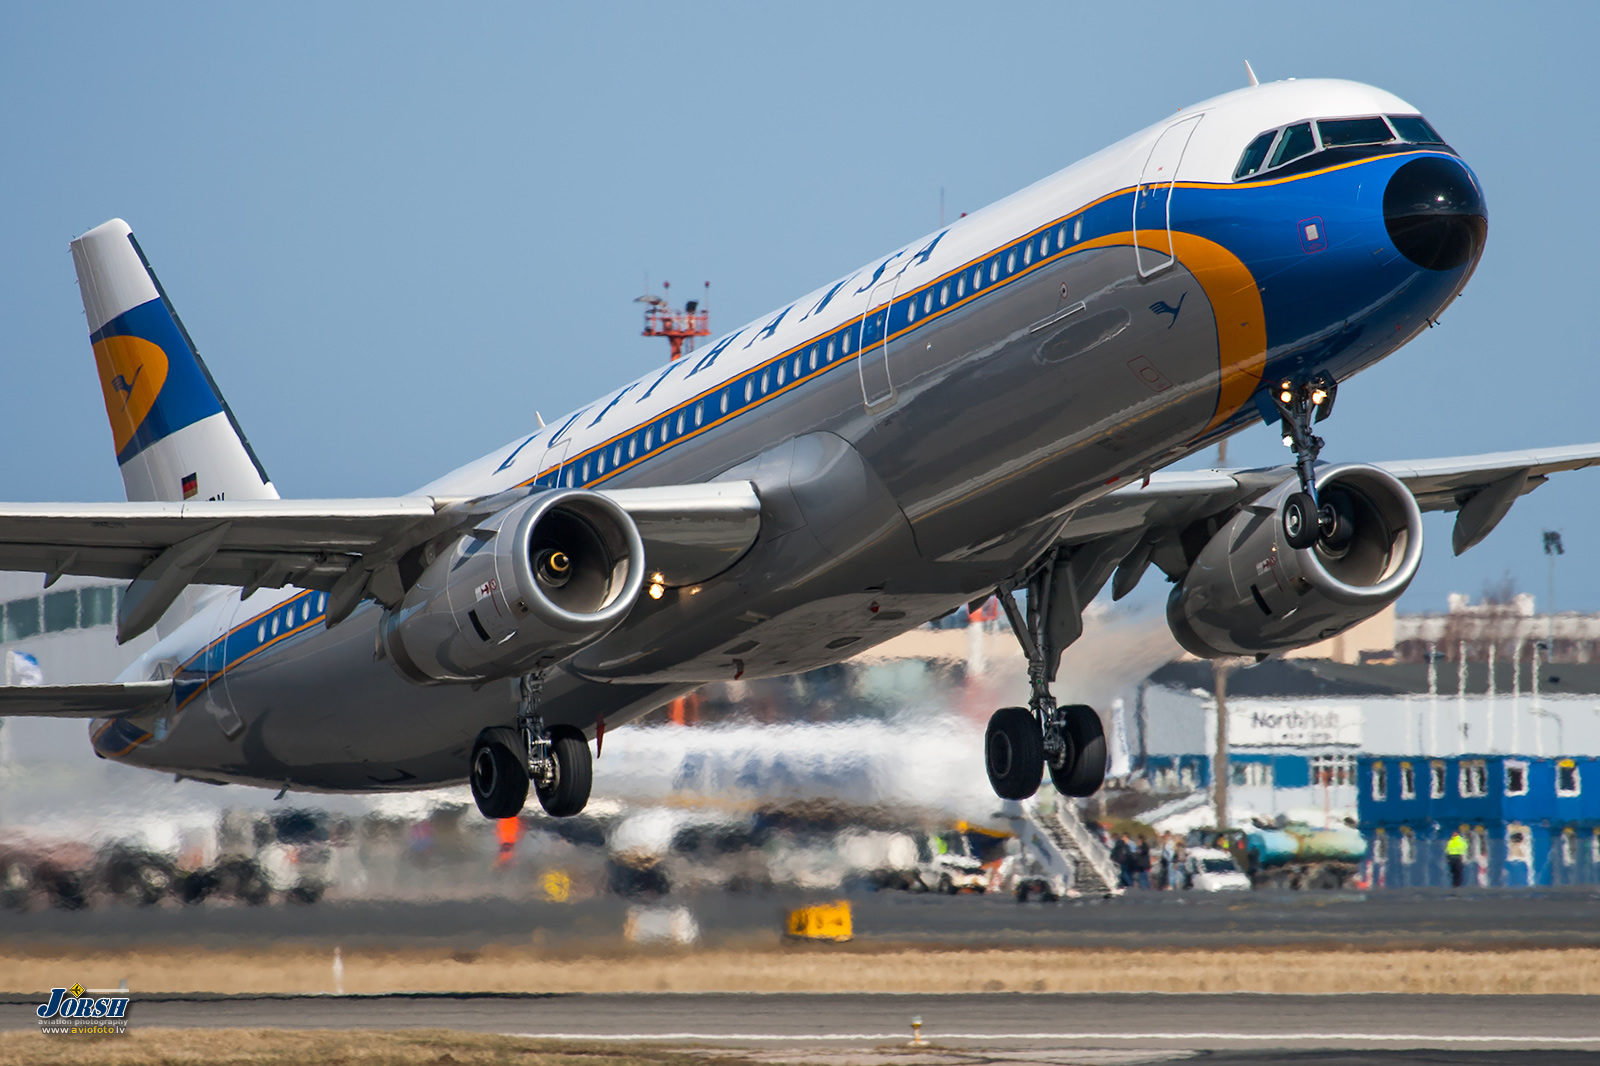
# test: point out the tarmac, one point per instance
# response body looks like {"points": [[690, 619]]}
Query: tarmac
{"points": [[1396, 919], [859, 1030]]}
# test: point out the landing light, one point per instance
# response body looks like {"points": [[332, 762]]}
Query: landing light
{"points": [[656, 590]]}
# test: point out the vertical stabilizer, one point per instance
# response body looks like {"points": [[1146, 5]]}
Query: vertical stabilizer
{"points": [[174, 435]]}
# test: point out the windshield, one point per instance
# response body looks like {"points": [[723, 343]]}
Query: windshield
{"points": [[1342, 131], [1217, 866], [1335, 140], [1415, 128]]}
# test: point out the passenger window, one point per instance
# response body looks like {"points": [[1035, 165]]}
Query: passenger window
{"points": [[699, 412], [586, 470], [1415, 128], [1061, 237], [911, 316], [796, 370], [814, 354], [944, 294], [600, 463], [927, 302], [846, 342], [725, 400], [616, 456], [781, 370], [977, 279], [1254, 155], [749, 389], [666, 425], [1044, 245], [994, 269], [1027, 255], [829, 356], [961, 286], [1011, 263], [1295, 142], [680, 425], [1337, 133], [1077, 229], [766, 381], [632, 444], [649, 438]]}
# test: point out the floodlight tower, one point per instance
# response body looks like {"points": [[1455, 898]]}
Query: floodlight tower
{"points": [[680, 327]]}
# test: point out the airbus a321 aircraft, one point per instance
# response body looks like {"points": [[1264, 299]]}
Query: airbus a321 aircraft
{"points": [[985, 409]]}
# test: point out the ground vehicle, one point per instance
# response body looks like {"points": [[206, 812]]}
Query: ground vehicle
{"points": [[1213, 870], [1299, 856], [946, 863]]}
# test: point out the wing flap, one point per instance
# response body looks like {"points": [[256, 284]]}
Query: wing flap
{"points": [[116, 699]]}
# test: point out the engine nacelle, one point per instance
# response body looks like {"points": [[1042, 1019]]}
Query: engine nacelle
{"points": [[521, 591], [1249, 593]]}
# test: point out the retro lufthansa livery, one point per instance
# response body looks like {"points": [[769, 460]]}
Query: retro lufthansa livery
{"points": [[985, 409]]}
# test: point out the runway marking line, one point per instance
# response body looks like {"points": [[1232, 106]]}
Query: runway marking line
{"points": [[1340, 1038]]}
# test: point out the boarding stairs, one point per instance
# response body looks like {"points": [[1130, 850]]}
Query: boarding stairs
{"points": [[1066, 846]]}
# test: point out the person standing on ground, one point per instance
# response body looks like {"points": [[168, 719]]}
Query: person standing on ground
{"points": [[1455, 853]]}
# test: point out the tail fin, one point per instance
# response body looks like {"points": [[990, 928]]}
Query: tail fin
{"points": [[175, 437]]}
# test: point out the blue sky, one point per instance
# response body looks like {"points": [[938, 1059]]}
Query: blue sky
{"points": [[395, 231]]}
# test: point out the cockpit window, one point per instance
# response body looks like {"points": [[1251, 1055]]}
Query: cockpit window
{"points": [[1415, 128], [1254, 155], [1339, 132], [1296, 142], [1336, 140]]}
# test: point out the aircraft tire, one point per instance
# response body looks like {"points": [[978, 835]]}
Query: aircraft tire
{"points": [[568, 794], [1301, 526], [1013, 753], [499, 778], [1086, 738]]}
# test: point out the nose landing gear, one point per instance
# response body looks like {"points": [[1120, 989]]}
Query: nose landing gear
{"points": [[1306, 519], [556, 760], [1021, 743]]}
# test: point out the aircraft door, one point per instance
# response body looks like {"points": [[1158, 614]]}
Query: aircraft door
{"points": [[1152, 201], [877, 387]]}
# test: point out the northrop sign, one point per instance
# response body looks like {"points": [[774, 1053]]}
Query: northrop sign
{"points": [[1271, 724]]}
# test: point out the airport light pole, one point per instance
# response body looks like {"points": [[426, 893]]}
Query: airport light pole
{"points": [[1219, 761]]}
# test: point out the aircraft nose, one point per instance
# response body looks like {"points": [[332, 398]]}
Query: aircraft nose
{"points": [[1435, 213]]}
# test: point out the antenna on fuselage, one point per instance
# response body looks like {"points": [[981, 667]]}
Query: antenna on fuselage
{"points": [[1251, 74]]}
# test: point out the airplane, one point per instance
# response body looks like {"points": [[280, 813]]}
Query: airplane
{"points": [[985, 410]]}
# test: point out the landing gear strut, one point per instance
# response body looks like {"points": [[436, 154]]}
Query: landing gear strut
{"points": [[1021, 743], [1306, 519], [556, 759]]}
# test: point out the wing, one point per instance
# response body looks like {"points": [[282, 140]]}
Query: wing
{"points": [[113, 700], [1126, 530], [350, 549]]}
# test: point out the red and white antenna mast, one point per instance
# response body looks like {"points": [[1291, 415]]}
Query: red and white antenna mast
{"points": [[680, 327]]}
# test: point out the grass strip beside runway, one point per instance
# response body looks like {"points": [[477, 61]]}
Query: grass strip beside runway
{"points": [[287, 1047], [807, 969]]}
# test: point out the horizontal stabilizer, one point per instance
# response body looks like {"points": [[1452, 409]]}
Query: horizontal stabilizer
{"points": [[114, 699]]}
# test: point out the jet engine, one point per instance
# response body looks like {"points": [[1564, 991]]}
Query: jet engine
{"points": [[1249, 593], [521, 591]]}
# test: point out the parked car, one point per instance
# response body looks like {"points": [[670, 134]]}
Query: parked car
{"points": [[1213, 870]]}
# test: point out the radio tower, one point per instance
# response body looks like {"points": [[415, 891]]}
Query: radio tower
{"points": [[679, 327]]}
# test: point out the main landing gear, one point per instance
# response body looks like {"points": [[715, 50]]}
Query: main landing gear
{"points": [[1306, 519], [555, 759], [1022, 742]]}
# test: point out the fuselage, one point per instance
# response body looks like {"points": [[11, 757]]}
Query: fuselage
{"points": [[971, 388]]}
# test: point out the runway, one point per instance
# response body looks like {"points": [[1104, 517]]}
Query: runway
{"points": [[1391, 920], [1468, 1028]]}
